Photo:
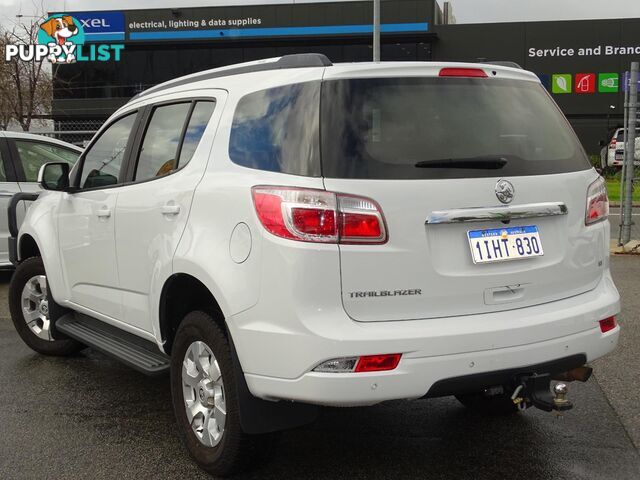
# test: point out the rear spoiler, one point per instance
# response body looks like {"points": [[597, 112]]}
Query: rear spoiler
{"points": [[13, 222]]}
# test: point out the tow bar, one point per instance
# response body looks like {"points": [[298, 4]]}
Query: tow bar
{"points": [[535, 390]]}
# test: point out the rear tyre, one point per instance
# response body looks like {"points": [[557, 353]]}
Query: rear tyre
{"points": [[33, 310], [205, 398], [489, 404]]}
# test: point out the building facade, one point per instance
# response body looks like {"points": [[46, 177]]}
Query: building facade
{"points": [[581, 63]]}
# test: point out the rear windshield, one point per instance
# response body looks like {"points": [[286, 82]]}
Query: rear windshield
{"points": [[417, 128], [620, 137]]}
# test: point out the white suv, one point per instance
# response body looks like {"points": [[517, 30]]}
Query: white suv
{"points": [[612, 155], [290, 233]]}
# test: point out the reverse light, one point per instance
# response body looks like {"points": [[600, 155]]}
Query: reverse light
{"points": [[319, 216], [597, 202], [462, 72], [613, 144], [366, 363], [337, 365], [607, 324]]}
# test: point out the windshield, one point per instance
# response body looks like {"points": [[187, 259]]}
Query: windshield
{"points": [[415, 128]]}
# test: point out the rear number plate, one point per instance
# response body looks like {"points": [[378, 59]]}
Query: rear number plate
{"points": [[500, 244]]}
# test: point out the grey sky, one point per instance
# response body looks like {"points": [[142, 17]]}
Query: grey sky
{"points": [[466, 11]]}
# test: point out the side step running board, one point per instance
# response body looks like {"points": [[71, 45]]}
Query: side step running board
{"points": [[133, 351]]}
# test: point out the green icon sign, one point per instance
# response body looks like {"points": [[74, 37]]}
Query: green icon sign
{"points": [[608, 82], [561, 83]]}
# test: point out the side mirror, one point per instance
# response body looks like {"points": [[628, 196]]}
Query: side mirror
{"points": [[54, 176]]}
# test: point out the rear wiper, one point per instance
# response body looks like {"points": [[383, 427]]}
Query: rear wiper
{"points": [[487, 163]]}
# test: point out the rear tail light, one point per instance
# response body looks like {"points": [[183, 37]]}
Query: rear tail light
{"points": [[607, 324], [613, 144], [319, 216], [463, 72], [597, 202], [366, 363]]}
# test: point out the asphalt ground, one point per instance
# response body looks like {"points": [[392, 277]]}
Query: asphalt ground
{"points": [[90, 417]]}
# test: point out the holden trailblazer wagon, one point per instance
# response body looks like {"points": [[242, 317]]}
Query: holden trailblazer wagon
{"points": [[289, 233]]}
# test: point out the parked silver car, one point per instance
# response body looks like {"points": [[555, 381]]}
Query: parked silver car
{"points": [[22, 156]]}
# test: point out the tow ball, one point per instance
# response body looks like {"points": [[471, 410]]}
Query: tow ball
{"points": [[535, 390]]}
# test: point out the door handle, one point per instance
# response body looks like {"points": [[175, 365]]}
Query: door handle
{"points": [[104, 212], [170, 209]]}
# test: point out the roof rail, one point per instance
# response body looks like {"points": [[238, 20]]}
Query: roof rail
{"points": [[503, 63], [300, 60]]}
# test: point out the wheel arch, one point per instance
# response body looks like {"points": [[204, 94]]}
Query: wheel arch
{"points": [[28, 247], [257, 416], [183, 293]]}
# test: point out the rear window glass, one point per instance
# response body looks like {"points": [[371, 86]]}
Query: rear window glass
{"points": [[415, 128], [277, 130], [620, 137]]}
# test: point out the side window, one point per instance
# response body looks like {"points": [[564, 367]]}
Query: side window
{"points": [[197, 124], [35, 154], [278, 130], [161, 141], [103, 160]]}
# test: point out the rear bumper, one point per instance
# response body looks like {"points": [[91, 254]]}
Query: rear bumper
{"points": [[419, 377], [278, 357]]}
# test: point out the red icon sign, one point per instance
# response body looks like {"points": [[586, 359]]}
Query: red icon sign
{"points": [[585, 83]]}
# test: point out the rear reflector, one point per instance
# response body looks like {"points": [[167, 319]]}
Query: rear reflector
{"points": [[378, 363], [319, 216], [463, 72], [607, 324]]}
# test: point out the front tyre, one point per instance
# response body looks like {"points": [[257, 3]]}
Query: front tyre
{"points": [[33, 309], [205, 397]]}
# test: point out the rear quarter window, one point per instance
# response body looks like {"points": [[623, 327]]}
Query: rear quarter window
{"points": [[278, 130]]}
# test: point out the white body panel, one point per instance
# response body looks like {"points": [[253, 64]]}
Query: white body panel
{"points": [[284, 301], [86, 225], [436, 258]]}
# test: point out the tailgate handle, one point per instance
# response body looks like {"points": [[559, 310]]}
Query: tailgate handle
{"points": [[500, 213], [508, 294]]}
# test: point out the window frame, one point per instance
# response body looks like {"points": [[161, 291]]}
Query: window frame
{"points": [[77, 172], [20, 175], [145, 122]]}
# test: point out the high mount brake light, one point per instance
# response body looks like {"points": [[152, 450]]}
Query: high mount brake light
{"points": [[319, 216], [597, 202], [463, 72]]}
